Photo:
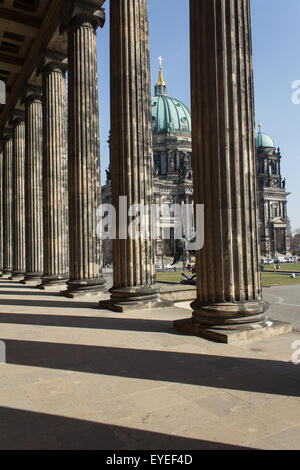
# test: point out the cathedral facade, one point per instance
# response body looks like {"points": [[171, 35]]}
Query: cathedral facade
{"points": [[173, 177], [172, 152], [274, 224]]}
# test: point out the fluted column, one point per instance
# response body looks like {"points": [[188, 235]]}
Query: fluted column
{"points": [[33, 186], [229, 293], [1, 206], [81, 20], [19, 259], [55, 173], [131, 153], [7, 205]]}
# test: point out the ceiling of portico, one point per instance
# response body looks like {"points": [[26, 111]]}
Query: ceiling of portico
{"points": [[27, 28]]}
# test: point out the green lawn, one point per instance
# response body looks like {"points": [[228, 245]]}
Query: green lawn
{"points": [[171, 276], [268, 279], [285, 267], [279, 280]]}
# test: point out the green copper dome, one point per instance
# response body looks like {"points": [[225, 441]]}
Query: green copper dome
{"points": [[168, 114], [264, 140]]}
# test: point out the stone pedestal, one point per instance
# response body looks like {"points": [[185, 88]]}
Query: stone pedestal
{"points": [[131, 155], [55, 173], [229, 294], [33, 186], [19, 259], [7, 205], [81, 20]]}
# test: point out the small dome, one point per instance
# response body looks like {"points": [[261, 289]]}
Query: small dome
{"points": [[170, 115], [264, 140]]}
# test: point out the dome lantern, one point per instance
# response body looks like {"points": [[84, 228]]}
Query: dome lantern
{"points": [[160, 87]]}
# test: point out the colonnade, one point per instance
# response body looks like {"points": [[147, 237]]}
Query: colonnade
{"points": [[50, 167], [50, 164]]}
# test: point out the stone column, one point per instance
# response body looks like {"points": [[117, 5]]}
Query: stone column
{"points": [[229, 303], [131, 154], [55, 174], [18, 207], [7, 205], [33, 186], [81, 20], [1, 206]]}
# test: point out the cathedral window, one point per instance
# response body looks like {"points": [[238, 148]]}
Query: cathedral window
{"points": [[163, 164]]}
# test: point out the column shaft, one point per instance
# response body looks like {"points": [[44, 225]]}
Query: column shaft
{"points": [[55, 174], [33, 186], [1, 207], [7, 208], [19, 259], [229, 293], [131, 152], [81, 20]]}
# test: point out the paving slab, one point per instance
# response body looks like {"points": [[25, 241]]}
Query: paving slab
{"points": [[78, 377]]}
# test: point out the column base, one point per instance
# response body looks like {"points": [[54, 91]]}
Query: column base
{"points": [[17, 276], [85, 288], [32, 279], [6, 274], [256, 332], [53, 284], [119, 308], [230, 322], [130, 299]]}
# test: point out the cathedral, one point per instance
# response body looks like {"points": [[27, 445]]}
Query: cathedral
{"points": [[173, 178]]}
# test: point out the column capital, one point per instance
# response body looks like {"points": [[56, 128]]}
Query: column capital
{"points": [[82, 13], [51, 61], [7, 134], [31, 94], [17, 116]]}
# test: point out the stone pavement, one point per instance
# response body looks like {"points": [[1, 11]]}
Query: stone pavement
{"points": [[77, 377], [285, 303]]}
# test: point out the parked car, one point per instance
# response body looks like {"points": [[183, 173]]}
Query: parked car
{"points": [[169, 267], [280, 259], [267, 261]]}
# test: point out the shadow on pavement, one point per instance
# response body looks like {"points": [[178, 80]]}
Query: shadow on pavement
{"points": [[27, 430], [246, 374]]}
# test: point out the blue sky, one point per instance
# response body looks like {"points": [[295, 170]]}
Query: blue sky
{"points": [[276, 36]]}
